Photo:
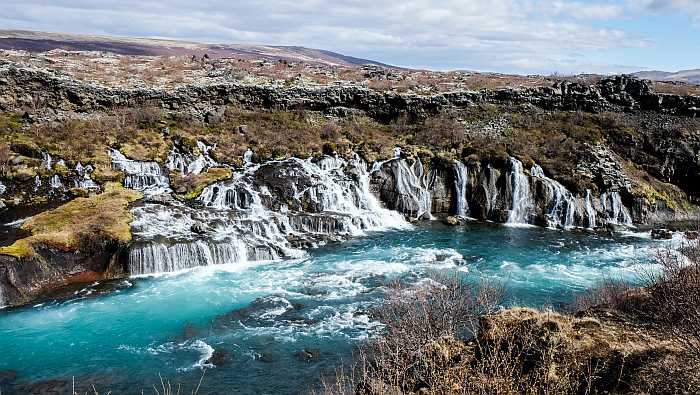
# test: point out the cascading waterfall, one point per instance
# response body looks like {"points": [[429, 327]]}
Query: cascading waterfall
{"points": [[279, 208], [56, 183], [84, 179], [461, 178], [248, 157], [561, 203], [189, 164], [160, 258], [490, 186], [411, 187], [522, 202], [590, 211], [143, 176], [37, 183], [615, 211], [46, 160], [241, 220]]}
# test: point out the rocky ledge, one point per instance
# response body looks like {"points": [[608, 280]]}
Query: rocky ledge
{"points": [[26, 87]]}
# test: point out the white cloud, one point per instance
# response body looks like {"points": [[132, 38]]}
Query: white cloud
{"points": [[483, 34]]}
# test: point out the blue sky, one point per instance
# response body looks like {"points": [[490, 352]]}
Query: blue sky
{"points": [[521, 36]]}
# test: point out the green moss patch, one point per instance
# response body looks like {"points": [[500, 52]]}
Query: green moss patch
{"points": [[80, 222]]}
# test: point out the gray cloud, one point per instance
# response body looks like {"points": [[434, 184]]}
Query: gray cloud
{"points": [[500, 35]]}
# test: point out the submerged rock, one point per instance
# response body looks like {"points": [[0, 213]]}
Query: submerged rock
{"points": [[219, 357], [308, 354], [661, 234]]}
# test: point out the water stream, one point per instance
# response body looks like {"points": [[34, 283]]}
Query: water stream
{"points": [[285, 323]]}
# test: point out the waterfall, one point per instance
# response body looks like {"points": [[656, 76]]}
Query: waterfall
{"points": [[143, 176], [190, 164], [522, 203], [37, 183], [490, 187], [252, 217], [561, 204], [248, 157], [55, 182], [3, 188], [590, 211], [160, 258], [397, 152], [410, 188], [615, 211], [46, 160], [461, 178], [84, 180]]}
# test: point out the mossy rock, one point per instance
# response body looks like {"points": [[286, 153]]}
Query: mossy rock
{"points": [[84, 220], [189, 187]]}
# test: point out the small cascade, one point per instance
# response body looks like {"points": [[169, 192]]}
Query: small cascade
{"points": [[615, 211], [46, 160], [143, 176], [3, 188], [84, 179], [590, 211], [190, 164], [56, 183], [410, 190], [248, 157], [522, 202], [37, 183], [397, 152], [265, 212], [160, 258], [490, 186], [461, 178], [561, 205]]}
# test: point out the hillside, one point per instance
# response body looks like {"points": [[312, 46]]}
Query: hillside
{"points": [[35, 42]]}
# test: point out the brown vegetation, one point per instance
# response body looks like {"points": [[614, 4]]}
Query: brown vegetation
{"points": [[449, 339], [190, 186]]}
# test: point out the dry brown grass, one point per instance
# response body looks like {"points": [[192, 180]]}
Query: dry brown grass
{"points": [[673, 88], [447, 338]]}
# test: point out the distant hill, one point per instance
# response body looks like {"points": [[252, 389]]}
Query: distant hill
{"points": [[34, 41], [687, 76]]}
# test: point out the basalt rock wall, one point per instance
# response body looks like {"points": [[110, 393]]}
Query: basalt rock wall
{"points": [[23, 280], [22, 87]]}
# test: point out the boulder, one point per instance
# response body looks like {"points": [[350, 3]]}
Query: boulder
{"points": [[452, 221], [219, 357], [661, 234]]}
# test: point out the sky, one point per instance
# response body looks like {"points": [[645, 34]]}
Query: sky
{"points": [[510, 36]]}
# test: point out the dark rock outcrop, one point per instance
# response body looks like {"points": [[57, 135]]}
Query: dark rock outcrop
{"points": [[22, 280], [20, 85]]}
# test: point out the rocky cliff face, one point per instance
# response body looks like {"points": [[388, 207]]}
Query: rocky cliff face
{"points": [[23, 280], [22, 87]]}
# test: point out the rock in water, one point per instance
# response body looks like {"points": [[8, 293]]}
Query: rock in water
{"points": [[452, 220], [661, 234], [219, 357]]}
